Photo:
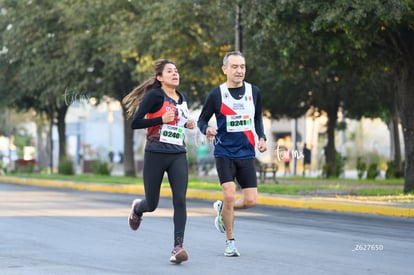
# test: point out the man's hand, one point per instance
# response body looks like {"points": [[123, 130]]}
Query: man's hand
{"points": [[211, 133], [262, 145]]}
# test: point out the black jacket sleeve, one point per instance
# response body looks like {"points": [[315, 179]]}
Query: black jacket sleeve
{"points": [[258, 117], [151, 103]]}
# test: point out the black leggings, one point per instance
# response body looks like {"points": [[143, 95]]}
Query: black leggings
{"points": [[155, 165]]}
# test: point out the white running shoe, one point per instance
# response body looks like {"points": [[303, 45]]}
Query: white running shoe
{"points": [[218, 221], [231, 250]]}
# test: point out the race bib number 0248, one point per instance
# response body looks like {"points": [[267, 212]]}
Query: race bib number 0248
{"points": [[238, 123], [172, 134]]}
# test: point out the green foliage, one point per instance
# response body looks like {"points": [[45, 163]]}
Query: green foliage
{"points": [[87, 177], [21, 140], [197, 46], [66, 167], [4, 169], [288, 189], [392, 171], [361, 168], [101, 168], [377, 192], [106, 47], [373, 172], [301, 54], [340, 166], [292, 186], [29, 168]]}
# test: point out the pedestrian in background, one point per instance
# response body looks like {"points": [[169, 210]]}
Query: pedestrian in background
{"points": [[159, 107], [237, 107], [286, 157], [306, 159]]}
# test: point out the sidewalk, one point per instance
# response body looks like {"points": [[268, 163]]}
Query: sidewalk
{"points": [[398, 206]]}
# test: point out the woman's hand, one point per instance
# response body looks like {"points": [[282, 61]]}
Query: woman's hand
{"points": [[168, 117], [190, 124]]}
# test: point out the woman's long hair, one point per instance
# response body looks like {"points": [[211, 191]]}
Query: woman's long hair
{"points": [[132, 100]]}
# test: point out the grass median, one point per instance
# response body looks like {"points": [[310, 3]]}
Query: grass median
{"points": [[285, 186]]}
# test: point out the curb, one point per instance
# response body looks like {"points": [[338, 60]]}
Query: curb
{"points": [[315, 203]]}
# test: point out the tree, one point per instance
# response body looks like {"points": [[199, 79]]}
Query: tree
{"points": [[105, 48], [140, 33], [43, 57], [185, 32], [129, 42], [326, 53], [382, 30], [308, 69]]}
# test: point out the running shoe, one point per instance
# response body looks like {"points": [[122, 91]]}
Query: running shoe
{"points": [[231, 250], [218, 222], [178, 255], [134, 220]]}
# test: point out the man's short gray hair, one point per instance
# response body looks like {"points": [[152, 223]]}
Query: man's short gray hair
{"points": [[229, 54]]}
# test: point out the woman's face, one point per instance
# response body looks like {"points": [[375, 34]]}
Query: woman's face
{"points": [[170, 76]]}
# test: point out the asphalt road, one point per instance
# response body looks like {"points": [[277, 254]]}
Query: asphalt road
{"points": [[64, 231]]}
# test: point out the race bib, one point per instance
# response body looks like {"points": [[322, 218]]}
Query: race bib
{"points": [[172, 134], [238, 123]]}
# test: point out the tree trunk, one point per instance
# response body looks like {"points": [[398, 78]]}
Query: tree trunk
{"points": [[405, 93], [61, 124], [123, 83], [396, 157], [50, 117], [41, 149], [330, 147], [129, 160]]}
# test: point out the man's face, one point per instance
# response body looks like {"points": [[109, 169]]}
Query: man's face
{"points": [[235, 70]]}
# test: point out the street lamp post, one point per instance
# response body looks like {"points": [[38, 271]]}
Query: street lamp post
{"points": [[238, 28], [110, 120]]}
